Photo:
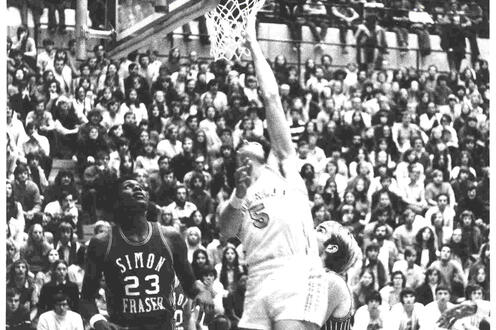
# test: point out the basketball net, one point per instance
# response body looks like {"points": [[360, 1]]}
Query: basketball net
{"points": [[226, 24]]}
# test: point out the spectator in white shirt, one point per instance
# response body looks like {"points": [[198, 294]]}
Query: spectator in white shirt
{"points": [[219, 99], [45, 57], [391, 293], [435, 309], [63, 74], [413, 193], [372, 315], [414, 273], [181, 209], [60, 317], [171, 145], [134, 105], [407, 314]]}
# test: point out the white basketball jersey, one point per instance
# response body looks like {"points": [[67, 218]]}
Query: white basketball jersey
{"points": [[278, 222]]}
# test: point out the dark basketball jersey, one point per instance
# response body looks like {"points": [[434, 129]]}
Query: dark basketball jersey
{"points": [[180, 304], [338, 324], [140, 280]]}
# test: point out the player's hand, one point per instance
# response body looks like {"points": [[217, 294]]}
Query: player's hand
{"points": [[250, 34], [242, 179], [205, 300], [102, 325]]}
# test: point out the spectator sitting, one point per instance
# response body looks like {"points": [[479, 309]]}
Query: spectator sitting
{"points": [[364, 288], [233, 303], [371, 39], [20, 278], [426, 247], [388, 253], [404, 235], [17, 317], [317, 13], [391, 293], [473, 294], [15, 218], [452, 275], [193, 241], [346, 18], [67, 246], [26, 46], [414, 273], [209, 278], [372, 315], [181, 208], [63, 209], [407, 311], [64, 181], [99, 181], [37, 174], [60, 315], [471, 232], [230, 271], [59, 284]]}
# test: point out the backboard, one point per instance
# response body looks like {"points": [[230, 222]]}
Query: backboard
{"points": [[137, 21]]}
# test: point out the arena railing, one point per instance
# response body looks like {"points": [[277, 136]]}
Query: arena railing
{"points": [[301, 59]]}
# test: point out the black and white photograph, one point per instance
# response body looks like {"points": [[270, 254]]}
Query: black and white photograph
{"points": [[247, 165]]}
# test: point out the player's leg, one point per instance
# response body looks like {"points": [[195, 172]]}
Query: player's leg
{"points": [[294, 325]]}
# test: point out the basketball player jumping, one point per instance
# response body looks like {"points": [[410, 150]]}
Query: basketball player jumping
{"points": [[139, 260], [269, 212], [339, 251]]}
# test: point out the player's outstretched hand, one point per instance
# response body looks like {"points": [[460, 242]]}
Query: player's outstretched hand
{"points": [[205, 300], [250, 34], [102, 325], [451, 315], [242, 179]]}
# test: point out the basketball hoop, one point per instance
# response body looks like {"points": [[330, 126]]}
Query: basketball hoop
{"points": [[226, 24]]}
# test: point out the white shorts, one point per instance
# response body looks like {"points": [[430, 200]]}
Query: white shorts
{"points": [[287, 293]]}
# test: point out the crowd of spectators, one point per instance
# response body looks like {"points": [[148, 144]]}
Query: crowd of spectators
{"points": [[401, 158], [369, 20]]}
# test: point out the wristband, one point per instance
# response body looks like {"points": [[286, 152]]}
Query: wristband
{"points": [[235, 202], [95, 318]]}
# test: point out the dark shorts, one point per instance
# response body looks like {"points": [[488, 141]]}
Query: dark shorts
{"points": [[163, 325]]}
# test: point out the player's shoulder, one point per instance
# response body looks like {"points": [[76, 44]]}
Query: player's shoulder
{"points": [[171, 235], [336, 282], [99, 243], [101, 238]]}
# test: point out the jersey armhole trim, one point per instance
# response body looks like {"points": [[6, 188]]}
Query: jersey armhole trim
{"points": [[109, 246], [162, 237]]}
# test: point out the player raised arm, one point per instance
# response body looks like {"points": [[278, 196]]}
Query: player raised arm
{"points": [[91, 283], [277, 125], [192, 287]]}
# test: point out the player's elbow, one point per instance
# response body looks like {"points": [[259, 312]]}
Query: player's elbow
{"points": [[229, 222], [272, 95]]}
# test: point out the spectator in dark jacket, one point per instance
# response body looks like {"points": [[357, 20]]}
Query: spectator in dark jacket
{"points": [[426, 291], [17, 317], [59, 284]]}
